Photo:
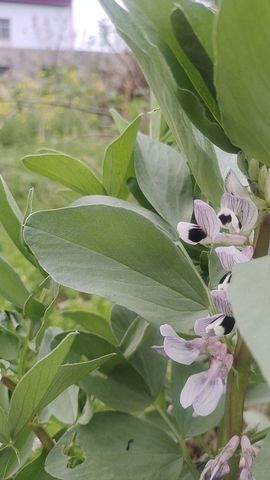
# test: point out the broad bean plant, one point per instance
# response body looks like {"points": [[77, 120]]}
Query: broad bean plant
{"points": [[175, 236]]}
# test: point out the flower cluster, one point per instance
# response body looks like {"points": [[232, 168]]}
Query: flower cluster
{"points": [[238, 214], [218, 468]]}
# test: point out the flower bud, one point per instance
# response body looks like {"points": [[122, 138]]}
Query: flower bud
{"points": [[267, 188], [262, 179], [253, 169]]}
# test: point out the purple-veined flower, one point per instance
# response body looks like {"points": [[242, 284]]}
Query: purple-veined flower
{"points": [[237, 214], [218, 467], [207, 228], [202, 390], [178, 349], [230, 256], [247, 457], [234, 186]]}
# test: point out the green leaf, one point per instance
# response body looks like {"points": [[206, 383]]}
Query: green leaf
{"points": [[261, 464], [164, 178], [11, 286], [65, 406], [118, 446], [12, 218], [116, 202], [34, 470], [134, 336], [151, 366], [68, 171], [249, 293], [188, 425], [119, 254], [243, 72], [9, 344], [70, 373], [193, 49], [195, 148], [117, 161], [91, 322], [159, 13], [34, 386], [123, 389], [201, 19], [12, 458], [4, 426]]}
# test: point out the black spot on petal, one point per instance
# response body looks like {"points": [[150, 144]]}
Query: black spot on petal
{"points": [[225, 219], [196, 234], [228, 324], [225, 279]]}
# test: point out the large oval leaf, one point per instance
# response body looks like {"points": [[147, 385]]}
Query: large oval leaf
{"points": [[119, 254], [117, 446], [165, 179], [243, 74], [250, 297]]}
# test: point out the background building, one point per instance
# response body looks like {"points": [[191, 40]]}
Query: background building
{"points": [[36, 24]]}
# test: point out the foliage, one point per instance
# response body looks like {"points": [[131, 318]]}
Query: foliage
{"points": [[149, 379]]}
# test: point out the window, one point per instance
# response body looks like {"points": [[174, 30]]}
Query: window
{"points": [[4, 29]]}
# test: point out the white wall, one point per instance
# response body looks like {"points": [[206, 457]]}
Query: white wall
{"points": [[38, 26]]}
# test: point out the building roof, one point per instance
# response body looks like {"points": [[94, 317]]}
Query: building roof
{"points": [[59, 3]]}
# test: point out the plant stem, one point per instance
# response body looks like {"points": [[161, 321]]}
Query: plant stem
{"points": [[44, 437], [181, 442]]}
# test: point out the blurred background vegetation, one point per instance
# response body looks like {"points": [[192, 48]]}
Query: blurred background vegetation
{"points": [[61, 109]]}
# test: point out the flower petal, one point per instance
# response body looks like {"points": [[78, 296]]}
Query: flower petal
{"points": [[191, 233], [178, 349], [244, 209], [206, 218], [230, 239], [230, 256], [201, 324], [222, 326], [192, 388], [159, 349], [167, 331], [234, 186], [222, 302], [206, 402]]}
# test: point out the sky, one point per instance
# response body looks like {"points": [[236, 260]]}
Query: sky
{"points": [[86, 15]]}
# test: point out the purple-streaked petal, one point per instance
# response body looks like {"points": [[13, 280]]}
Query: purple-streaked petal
{"points": [[246, 475], [234, 186], [192, 388], [244, 209], [248, 251], [206, 218], [201, 324], [222, 302], [192, 233], [178, 349], [206, 402], [230, 256], [230, 239], [220, 471], [181, 351], [167, 331]]}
